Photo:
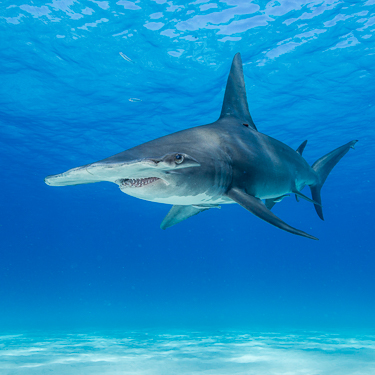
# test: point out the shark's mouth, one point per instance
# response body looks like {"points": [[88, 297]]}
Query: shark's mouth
{"points": [[137, 182]]}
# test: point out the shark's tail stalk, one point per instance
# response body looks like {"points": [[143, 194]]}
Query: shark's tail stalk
{"points": [[322, 168]]}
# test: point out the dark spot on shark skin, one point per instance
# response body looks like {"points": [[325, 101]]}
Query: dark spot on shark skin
{"points": [[247, 125]]}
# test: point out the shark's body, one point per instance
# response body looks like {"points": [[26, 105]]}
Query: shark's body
{"points": [[227, 161]]}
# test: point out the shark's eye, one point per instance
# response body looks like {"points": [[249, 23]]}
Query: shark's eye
{"points": [[178, 159]]}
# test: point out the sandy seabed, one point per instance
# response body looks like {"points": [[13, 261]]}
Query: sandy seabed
{"points": [[187, 353]]}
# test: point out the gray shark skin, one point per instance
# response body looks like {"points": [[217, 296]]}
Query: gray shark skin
{"points": [[225, 162]]}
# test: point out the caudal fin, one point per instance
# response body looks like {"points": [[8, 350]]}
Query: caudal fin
{"points": [[323, 167]]}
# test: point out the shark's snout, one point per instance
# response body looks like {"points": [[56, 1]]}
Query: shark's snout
{"points": [[74, 176], [53, 180], [47, 180], [61, 180]]}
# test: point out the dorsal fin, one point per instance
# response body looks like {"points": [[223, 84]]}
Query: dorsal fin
{"points": [[301, 147], [235, 101]]}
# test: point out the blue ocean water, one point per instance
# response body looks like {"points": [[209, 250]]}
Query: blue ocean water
{"points": [[88, 281]]}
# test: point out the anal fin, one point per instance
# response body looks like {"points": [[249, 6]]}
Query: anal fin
{"points": [[181, 213], [257, 208], [299, 194]]}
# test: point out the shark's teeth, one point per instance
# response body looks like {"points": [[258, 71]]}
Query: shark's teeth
{"points": [[137, 182]]}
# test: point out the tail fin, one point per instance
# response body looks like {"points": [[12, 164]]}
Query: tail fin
{"points": [[322, 168]]}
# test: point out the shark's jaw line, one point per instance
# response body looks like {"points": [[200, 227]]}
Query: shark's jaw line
{"points": [[136, 182]]}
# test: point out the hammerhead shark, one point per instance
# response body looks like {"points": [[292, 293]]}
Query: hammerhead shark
{"points": [[227, 161]]}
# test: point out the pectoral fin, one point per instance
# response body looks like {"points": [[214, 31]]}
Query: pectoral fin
{"points": [[181, 213], [256, 207]]}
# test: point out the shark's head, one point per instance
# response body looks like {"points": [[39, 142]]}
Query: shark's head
{"points": [[158, 176], [166, 170]]}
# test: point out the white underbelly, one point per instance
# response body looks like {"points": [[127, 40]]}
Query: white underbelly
{"points": [[191, 200]]}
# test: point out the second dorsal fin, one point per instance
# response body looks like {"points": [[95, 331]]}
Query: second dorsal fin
{"points": [[235, 101], [301, 147]]}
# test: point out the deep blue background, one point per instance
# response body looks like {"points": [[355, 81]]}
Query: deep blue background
{"points": [[90, 256]]}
